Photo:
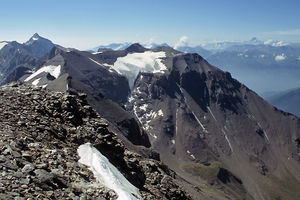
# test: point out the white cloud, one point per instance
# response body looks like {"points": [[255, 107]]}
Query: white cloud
{"points": [[268, 42], [275, 43], [279, 44], [280, 57], [150, 42], [181, 42]]}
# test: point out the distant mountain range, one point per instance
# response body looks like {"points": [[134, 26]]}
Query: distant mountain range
{"points": [[288, 101], [255, 63], [122, 46]]}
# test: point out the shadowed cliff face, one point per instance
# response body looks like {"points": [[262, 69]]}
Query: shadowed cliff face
{"points": [[196, 113]]}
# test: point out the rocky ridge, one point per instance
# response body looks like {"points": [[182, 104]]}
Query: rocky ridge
{"points": [[40, 133]]}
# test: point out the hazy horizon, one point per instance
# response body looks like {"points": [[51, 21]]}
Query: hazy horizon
{"points": [[86, 24]]}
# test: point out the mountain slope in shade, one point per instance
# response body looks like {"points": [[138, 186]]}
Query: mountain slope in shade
{"points": [[206, 125], [287, 101]]}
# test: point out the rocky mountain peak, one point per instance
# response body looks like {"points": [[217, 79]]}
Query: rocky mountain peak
{"points": [[34, 38], [135, 48]]}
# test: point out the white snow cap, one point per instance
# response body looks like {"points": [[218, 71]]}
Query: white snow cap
{"points": [[132, 64], [52, 69], [106, 173]]}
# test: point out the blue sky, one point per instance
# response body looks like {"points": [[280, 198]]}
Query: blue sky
{"points": [[85, 24]]}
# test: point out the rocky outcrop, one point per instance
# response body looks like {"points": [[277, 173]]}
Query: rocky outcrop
{"points": [[40, 133]]}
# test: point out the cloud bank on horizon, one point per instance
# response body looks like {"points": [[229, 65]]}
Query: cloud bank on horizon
{"points": [[183, 41]]}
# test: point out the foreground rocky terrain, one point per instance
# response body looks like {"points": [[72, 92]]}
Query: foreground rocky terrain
{"points": [[40, 133]]}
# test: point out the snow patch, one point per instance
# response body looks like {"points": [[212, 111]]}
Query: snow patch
{"points": [[227, 140], [262, 56], [96, 62], [2, 44], [182, 94], [99, 52], [130, 99], [267, 137], [35, 38], [211, 113], [199, 122], [110, 69], [173, 141], [280, 57], [144, 107], [160, 113], [153, 135], [299, 58], [265, 133], [106, 173], [151, 115], [176, 123], [52, 69], [36, 81], [132, 64]]}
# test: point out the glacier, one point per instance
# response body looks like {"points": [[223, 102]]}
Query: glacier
{"points": [[131, 64]]}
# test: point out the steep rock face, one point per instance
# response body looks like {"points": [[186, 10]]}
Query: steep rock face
{"points": [[40, 133], [202, 120]]}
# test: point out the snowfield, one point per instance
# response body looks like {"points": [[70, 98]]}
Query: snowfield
{"points": [[106, 173], [52, 69], [132, 64]]}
